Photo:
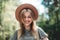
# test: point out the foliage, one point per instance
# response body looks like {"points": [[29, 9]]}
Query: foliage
{"points": [[52, 26], [7, 27]]}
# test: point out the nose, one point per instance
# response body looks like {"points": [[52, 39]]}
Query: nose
{"points": [[26, 18]]}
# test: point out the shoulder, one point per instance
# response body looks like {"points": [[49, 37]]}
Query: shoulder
{"points": [[42, 33], [14, 36]]}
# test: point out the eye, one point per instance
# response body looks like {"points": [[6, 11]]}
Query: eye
{"points": [[23, 17], [29, 16]]}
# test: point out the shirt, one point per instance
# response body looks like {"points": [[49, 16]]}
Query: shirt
{"points": [[28, 35]]}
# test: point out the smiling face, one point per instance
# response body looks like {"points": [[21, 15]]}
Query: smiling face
{"points": [[27, 18]]}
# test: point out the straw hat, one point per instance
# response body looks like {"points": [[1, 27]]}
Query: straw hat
{"points": [[24, 6]]}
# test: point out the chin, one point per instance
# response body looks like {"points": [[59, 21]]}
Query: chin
{"points": [[27, 24]]}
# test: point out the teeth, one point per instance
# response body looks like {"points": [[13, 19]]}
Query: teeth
{"points": [[27, 22]]}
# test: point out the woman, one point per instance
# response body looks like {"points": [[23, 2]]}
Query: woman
{"points": [[26, 14]]}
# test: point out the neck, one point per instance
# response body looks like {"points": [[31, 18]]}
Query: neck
{"points": [[27, 27]]}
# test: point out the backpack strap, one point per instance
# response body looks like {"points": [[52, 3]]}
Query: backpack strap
{"points": [[39, 34], [18, 34]]}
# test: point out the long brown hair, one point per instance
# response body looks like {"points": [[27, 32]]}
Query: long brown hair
{"points": [[32, 27]]}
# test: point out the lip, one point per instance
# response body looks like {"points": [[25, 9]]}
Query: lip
{"points": [[26, 22]]}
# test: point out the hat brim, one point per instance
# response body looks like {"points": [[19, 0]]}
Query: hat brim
{"points": [[24, 6]]}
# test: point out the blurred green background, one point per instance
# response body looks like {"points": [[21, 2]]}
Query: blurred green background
{"points": [[51, 24]]}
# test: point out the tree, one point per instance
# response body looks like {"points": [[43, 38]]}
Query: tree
{"points": [[52, 26]]}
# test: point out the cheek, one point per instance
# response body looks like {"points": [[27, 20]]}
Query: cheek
{"points": [[30, 20], [23, 19]]}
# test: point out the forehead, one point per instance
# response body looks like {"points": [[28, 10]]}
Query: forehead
{"points": [[27, 14]]}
